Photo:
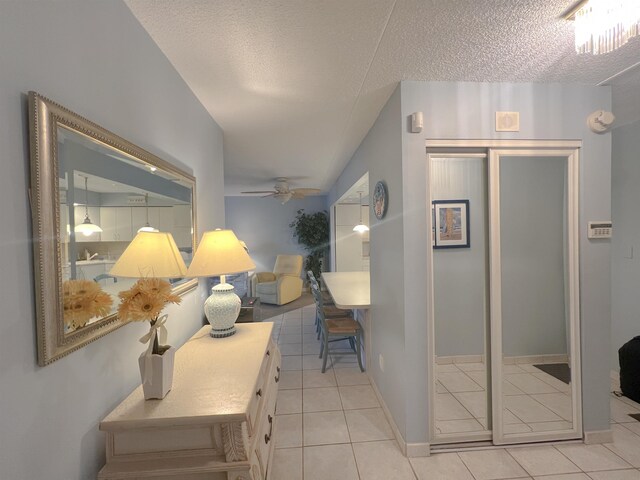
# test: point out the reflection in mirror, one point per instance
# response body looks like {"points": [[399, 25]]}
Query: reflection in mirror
{"points": [[91, 191], [83, 301], [460, 300], [105, 198], [535, 294]]}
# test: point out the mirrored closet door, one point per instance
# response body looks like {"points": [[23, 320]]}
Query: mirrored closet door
{"points": [[462, 407], [504, 319]]}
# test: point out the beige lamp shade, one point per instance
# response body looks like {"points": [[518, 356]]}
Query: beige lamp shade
{"points": [[150, 255], [219, 253]]}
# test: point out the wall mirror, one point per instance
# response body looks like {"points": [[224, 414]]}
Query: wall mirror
{"points": [[91, 192]]}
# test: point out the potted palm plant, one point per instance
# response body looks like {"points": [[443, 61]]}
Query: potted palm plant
{"points": [[312, 232]]}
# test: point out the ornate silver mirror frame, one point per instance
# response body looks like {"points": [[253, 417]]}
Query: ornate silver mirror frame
{"points": [[45, 120]]}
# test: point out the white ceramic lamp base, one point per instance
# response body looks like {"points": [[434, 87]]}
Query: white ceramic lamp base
{"points": [[222, 309]]}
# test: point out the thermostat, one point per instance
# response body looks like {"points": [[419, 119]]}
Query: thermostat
{"points": [[599, 230]]}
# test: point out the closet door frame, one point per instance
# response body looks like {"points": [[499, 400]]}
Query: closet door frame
{"points": [[442, 147], [572, 296]]}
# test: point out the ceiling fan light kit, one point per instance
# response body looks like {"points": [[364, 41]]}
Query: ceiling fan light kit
{"points": [[283, 193]]}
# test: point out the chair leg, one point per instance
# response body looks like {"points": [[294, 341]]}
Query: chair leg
{"points": [[321, 348], [325, 353], [358, 352], [351, 342]]}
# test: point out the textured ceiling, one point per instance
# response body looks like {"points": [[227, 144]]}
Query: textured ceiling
{"points": [[296, 84]]}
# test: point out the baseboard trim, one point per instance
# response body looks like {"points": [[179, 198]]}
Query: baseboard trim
{"points": [[418, 450], [396, 431], [408, 449], [615, 380], [598, 436], [547, 358]]}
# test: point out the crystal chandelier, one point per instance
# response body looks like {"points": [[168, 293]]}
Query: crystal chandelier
{"points": [[605, 25]]}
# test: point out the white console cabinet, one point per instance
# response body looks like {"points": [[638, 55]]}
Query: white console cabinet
{"points": [[217, 421]]}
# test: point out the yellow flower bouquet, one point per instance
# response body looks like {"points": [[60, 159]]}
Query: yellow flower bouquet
{"points": [[83, 300], [144, 302]]}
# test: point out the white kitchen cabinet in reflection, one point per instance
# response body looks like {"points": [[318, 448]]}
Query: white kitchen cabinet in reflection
{"points": [[116, 224], [121, 224], [351, 251], [182, 225], [165, 218]]}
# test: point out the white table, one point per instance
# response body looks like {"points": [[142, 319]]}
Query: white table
{"points": [[350, 290]]}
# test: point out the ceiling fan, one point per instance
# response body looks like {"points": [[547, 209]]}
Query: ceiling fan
{"points": [[282, 192]]}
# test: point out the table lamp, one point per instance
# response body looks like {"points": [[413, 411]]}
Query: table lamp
{"points": [[150, 255], [221, 253]]}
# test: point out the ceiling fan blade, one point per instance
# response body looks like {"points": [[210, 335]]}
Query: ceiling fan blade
{"points": [[306, 191], [272, 194], [260, 191], [297, 195]]}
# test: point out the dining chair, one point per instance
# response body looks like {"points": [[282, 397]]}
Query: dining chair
{"points": [[336, 329], [330, 309], [326, 298]]}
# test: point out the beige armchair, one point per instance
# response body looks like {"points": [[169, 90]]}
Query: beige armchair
{"points": [[281, 286]]}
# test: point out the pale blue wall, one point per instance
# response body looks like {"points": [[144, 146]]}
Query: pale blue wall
{"points": [[380, 153], [625, 265], [94, 58], [263, 224]]}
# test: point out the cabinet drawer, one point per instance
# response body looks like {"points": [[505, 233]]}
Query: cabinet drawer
{"points": [[269, 372], [266, 440]]}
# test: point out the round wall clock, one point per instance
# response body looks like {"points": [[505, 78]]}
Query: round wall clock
{"points": [[380, 200]]}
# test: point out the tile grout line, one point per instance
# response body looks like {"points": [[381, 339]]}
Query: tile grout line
{"points": [[466, 466], [606, 445], [506, 450]]}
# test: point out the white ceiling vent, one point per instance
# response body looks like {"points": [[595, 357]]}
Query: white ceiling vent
{"points": [[507, 121]]}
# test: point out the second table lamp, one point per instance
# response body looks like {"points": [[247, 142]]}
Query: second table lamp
{"points": [[220, 253]]}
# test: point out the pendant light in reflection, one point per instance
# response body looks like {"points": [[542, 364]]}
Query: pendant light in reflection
{"points": [[87, 227], [147, 227], [361, 227]]}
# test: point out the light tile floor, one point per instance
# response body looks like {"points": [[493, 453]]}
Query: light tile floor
{"points": [[330, 427]]}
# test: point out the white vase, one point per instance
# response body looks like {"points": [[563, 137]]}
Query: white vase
{"points": [[160, 376]]}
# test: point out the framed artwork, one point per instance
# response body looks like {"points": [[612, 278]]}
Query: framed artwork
{"points": [[451, 221], [380, 200]]}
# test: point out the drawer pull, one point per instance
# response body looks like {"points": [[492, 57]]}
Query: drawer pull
{"points": [[277, 377], [267, 437], [259, 393]]}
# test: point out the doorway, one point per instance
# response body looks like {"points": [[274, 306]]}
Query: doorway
{"points": [[350, 226], [504, 319]]}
